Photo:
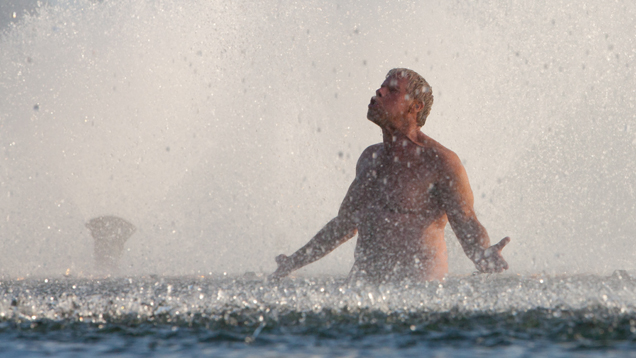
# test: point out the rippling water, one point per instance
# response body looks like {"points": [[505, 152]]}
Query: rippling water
{"points": [[145, 108], [585, 315]]}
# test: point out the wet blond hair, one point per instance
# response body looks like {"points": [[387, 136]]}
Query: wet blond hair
{"points": [[418, 89]]}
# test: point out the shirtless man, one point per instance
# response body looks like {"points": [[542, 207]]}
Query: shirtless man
{"points": [[405, 191]]}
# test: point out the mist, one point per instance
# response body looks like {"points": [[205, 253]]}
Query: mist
{"points": [[228, 133]]}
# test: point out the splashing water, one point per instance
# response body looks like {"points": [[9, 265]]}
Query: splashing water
{"points": [[228, 133], [551, 316]]}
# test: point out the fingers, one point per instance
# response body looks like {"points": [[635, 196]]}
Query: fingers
{"points": [[281, 259], [283, 268], [504, 266], [492, 261], [492, 266], [274, 277], [500, 245]]}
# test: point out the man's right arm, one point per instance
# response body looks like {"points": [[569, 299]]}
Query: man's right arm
{"points": [[340, 229], [332, 235]]}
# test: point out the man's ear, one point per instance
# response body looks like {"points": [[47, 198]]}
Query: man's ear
{"points": [[416, 106]]}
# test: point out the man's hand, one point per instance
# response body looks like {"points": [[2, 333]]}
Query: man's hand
{"points": [[490, 260], [284, 268]]}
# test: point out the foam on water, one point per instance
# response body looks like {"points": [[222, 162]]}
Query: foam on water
{"points": [[562, 313], [228, 132], [180, 299]]}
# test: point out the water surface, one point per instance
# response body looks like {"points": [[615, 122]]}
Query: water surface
{"points": [[511, 315]]}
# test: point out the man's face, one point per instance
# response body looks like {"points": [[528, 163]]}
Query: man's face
{"points": [[391, 103]]}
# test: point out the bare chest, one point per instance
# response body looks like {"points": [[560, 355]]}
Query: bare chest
{"points": [[400, 188]]}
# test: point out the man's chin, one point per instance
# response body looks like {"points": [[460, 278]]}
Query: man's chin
{"points": [[376, 119], [372, 116]]}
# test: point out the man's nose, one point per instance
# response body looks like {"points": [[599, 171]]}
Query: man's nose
{"points": [[378, 93]]}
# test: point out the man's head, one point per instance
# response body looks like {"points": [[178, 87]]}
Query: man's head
{"points": [[418, 90]]}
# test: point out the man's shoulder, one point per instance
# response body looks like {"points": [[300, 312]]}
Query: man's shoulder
{"points": [[368, 155], [373, 148], [437, 150], [442, 160]]}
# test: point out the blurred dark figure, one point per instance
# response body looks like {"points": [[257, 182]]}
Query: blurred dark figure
{"points": [[110, 234]]}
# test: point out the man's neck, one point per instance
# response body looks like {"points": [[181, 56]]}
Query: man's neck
{"points": [[399, 144]]}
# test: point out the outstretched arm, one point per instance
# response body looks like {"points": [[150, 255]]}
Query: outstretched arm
{"points": [[457, 199], [336, 232]]}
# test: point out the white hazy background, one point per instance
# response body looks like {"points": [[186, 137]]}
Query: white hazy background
{"points": [[228, 132]]}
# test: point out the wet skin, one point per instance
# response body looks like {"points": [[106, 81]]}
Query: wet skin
{"points": [[396, 205], [405, 192]]}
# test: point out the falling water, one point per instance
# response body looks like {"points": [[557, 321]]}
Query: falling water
{"points": [[228, 133]]}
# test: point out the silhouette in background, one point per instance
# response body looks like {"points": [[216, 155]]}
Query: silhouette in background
{"points": [[110, 234]]}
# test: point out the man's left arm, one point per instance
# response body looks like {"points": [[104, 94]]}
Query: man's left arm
{"points": [[457, 200]]}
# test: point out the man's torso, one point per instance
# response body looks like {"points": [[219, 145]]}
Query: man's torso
{"points": [[399, 216]]}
